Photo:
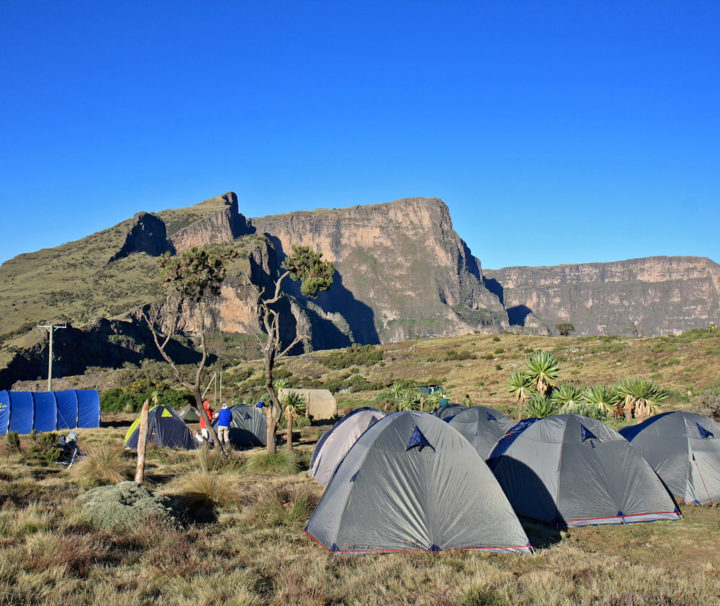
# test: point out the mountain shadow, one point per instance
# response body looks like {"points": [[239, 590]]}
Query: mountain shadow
{"points": [[356, 321], [518, 314]]}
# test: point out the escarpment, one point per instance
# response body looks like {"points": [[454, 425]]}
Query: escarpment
{"points": [[639, 297]]}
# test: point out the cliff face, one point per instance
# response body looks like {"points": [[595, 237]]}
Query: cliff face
{"points": [[401, 271], [650, 297]]}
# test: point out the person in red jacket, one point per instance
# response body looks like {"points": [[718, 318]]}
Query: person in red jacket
{"points": [[203, 429]]}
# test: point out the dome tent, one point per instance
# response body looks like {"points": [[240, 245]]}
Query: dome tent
{"points": [[189, 414], [411, 482], [448, 410], [165, 428], [340, 439], [482, 427], [248, 426], [570, 470], [684, 450], [319, 444]]}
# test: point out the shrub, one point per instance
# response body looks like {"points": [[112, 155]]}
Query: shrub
{"points": [[42, 449], [539, 406], [452, 354], [13, 441], [496, 339], [355, 355]]}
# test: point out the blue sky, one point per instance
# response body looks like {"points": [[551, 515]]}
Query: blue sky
{"points": [[556, 132]]}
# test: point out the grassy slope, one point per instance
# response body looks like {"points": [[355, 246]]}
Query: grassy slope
{"points": [[256, 553], [74, 281]]}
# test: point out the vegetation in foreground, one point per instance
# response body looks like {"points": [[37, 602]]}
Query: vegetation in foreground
{"points": [[239, 540]]}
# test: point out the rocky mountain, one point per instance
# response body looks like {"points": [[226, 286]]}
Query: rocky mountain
{"points": [[638, 297], [401, 272]]}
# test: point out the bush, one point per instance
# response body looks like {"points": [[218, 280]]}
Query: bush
{"points": [[43, 450], [355, 355], [452, 354], [13, 441]]}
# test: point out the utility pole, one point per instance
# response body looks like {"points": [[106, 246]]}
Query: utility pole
{"points": [[51, 328]]}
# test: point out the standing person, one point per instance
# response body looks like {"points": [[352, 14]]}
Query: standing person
{"points": [[223, 424], [203, 429]]}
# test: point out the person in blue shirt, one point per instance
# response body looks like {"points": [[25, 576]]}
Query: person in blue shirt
{"points": [[223, 425]]}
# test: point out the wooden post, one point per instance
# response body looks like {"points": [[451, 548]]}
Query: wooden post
{"points": [[289, 415], [142, 439]]}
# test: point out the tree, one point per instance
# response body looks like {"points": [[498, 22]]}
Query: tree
{"points": [[520, 385], [315, 275], [295, 406], [565, 328], [191, 279], [543, 370], [639, 398]]}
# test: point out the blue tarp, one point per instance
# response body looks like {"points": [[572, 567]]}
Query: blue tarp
{"points": [[45, 411], [4, 411], [25, 411], [67, 409], [22, 411], [88, 408]]}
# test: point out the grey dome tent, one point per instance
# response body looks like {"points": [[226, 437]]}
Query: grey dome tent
{"points": [[319, 444], [684, 449], [449, 410], [248, 426], [165, 428], [189, 414], [573, 470], [340, 439], [482, 427], [411, 482]]}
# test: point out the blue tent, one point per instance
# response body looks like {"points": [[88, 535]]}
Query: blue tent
{"points": [[88, 408], [45, 411], [22, 411], [67, 409], [27, 411], [4, 411]]}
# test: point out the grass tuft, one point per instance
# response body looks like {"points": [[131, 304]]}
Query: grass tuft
{"points": [[102, 465], [280, 463]]}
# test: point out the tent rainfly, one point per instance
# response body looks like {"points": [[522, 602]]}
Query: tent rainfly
{"points": [[482, 427], [411, 482], [684, 450], [335, 443], [570, 470], [165, 428], [28, 411], [248, 426], [448, 411]]}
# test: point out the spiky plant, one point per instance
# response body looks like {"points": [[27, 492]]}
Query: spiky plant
{"points": [[543, 370], [295, 406], [408, 400], [601, 398], [639, 398], [520, 386], [539, 406], [566, 397]]}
